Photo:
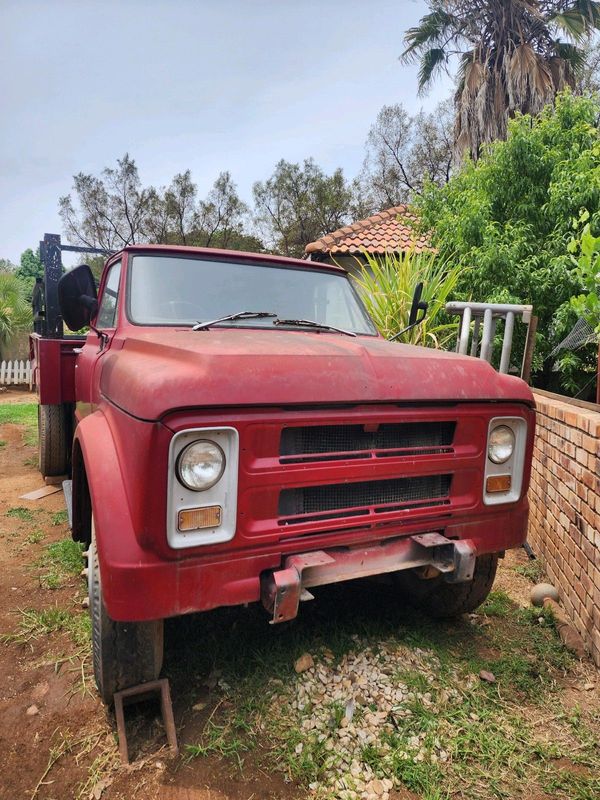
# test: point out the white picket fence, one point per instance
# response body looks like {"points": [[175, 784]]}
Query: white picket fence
{"points": [[15, 372]]}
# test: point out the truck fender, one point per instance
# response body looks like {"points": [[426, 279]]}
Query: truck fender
{"points": [[98, 485]]}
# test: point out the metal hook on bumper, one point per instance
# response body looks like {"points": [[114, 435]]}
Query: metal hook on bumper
{"points": [[283, 589]]}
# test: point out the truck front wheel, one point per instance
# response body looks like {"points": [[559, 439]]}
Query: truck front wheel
{"points": [[124, 653], [53, 447], [440, 599]]}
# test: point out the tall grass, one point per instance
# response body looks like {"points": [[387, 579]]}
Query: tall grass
{"points": [[387, 285]]}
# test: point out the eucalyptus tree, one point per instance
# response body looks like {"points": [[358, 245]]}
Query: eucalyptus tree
{"points": [[512, 55], [403, 152], [299, 203], [114, 209]]}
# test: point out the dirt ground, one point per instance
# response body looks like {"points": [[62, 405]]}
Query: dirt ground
{"points": [[57, 740], [16, 394]]}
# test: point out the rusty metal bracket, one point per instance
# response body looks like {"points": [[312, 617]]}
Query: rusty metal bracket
{"points": [[464, 563], [283, 589], [141, 692]]}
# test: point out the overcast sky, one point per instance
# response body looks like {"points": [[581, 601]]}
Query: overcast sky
{"points": [[209, 86]]}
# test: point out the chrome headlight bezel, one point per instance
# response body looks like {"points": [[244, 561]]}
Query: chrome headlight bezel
{"points": [[513, 466], [504, 450], [223, 493], [187, 450]]}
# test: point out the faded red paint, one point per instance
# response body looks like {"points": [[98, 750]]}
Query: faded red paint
{"points": [[150, 382]]}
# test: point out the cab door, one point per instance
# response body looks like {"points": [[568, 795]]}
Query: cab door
{"points": [[97, 344]]}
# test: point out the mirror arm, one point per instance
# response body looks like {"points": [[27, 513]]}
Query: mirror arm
{"points": [[410, 327], [102, 336]]}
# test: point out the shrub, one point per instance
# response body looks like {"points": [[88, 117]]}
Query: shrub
{"points": [[387, 286], [15, 313]]}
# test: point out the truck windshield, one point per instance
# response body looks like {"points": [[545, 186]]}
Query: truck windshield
{"points": [[173, 290]]}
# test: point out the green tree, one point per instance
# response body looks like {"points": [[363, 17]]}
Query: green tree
{"points": [[508, 220], [29, 269], [511, 57], [30, 265], [300, 203]]}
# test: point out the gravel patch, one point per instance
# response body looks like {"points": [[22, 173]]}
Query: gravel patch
{"points": [[349, 711]]}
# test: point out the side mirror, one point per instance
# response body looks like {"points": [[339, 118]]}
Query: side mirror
{"points": [[77, 297], [417, 305], [414, 318]]}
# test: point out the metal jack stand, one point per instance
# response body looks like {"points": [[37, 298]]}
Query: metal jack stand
{"points": [[141, 692]]}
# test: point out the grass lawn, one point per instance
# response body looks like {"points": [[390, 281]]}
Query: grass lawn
{"points": [[422, 717], [21, 414]]}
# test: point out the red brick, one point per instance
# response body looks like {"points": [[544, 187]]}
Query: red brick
{"points": [[591, 444], [586, 580]]}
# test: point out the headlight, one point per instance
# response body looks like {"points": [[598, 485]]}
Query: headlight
{"points": [[200, 465], [501, 444]]}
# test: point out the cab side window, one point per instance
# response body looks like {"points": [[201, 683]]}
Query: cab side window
{"points": [[107, 313]]}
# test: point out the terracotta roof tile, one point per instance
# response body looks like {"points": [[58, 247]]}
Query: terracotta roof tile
{"points": [[387, 231]]}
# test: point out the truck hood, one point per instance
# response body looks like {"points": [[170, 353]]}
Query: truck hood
{"points": [[156, 371]]}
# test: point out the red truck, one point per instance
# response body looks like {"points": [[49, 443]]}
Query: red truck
{"points": [[237, 431]]}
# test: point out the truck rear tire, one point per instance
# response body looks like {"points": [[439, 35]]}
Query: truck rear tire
{"points": [[53, 447], [124, 653], [442, 600]]}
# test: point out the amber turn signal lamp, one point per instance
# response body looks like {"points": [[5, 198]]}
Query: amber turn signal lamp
{"points": [[195, 519], [498, 483]]}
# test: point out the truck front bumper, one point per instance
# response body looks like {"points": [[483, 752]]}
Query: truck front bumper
{"points": [[140, 585], [283, 589]]}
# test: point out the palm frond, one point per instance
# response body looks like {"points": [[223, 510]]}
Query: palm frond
{"points": [[529, 80], [572, 24], [431, 61], [589, 10], [433, 28], [579, 20], [15, 312], [474, 77], [463, 63], [575, 56]]}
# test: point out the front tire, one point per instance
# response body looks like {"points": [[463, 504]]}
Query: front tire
{"points": [[443, 600], [124, 653], [53, 447]]}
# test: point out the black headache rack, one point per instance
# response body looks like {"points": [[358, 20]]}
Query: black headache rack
{"points": [[47, 319]]}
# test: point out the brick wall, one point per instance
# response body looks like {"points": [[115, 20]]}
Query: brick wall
{"points": [[564, 523]]}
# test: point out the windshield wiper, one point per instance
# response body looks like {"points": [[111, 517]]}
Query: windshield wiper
{"points": [[309, 323], [202, 326]]}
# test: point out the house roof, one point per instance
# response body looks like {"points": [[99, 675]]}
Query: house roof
{"points": [[388, 231]]}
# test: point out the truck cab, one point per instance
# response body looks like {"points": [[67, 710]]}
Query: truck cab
{"points": [[237, 431]]}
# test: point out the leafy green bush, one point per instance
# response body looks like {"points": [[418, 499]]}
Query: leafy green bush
{"points": [[387, 286], [508, 221], [587, 248]]}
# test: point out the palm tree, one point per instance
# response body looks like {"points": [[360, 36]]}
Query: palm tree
{"points": [[15, 313], [511, 57]]}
